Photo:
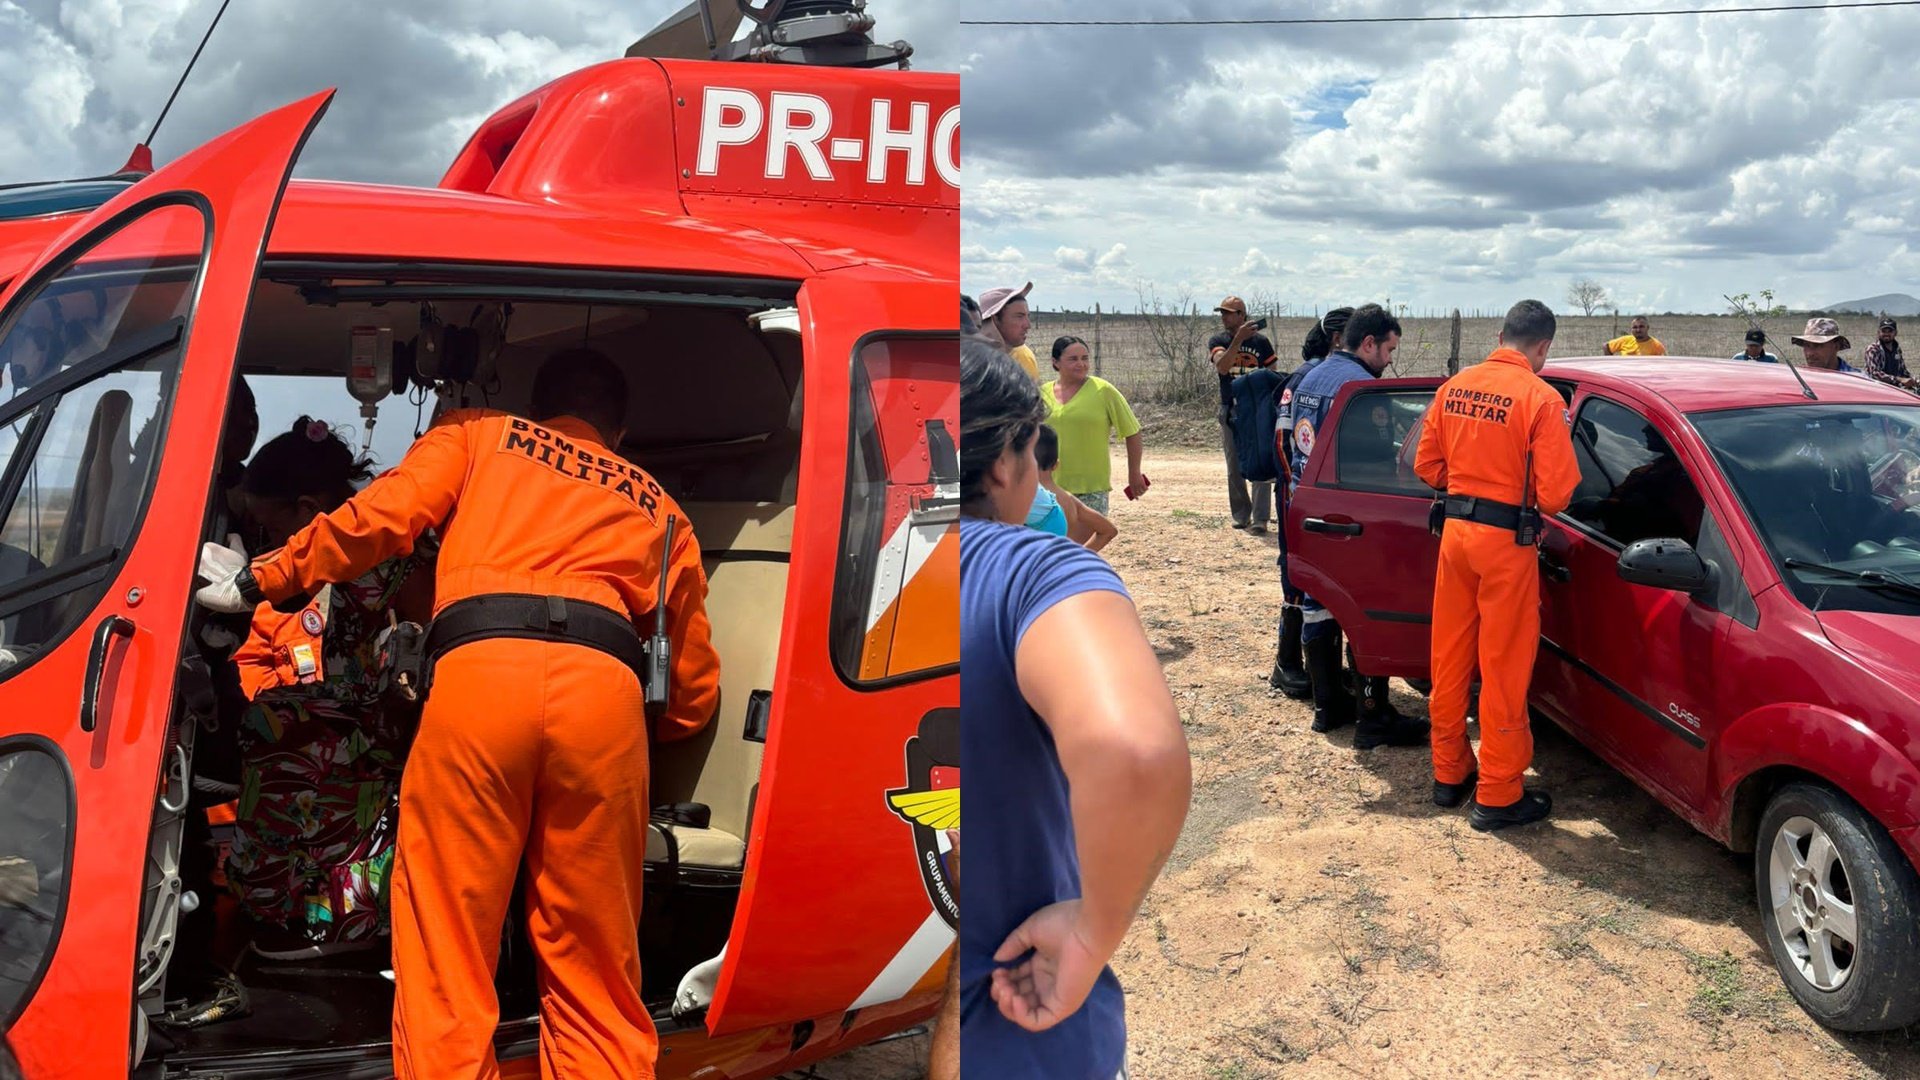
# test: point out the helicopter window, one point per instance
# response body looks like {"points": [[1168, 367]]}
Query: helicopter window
{"points": [[903, 497], [90, 367]]}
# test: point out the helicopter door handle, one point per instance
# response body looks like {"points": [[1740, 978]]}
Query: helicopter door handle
{"points": [[1322, 525], [1554, 568], [110, 627]]}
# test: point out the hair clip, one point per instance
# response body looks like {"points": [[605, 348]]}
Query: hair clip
{"points": [[318, 431]]}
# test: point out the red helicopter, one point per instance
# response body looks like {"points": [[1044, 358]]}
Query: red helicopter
{"points": [[768, 242]]}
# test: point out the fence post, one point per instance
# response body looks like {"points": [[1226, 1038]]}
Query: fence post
{"points": [[1453, 351], [1096, 337]]}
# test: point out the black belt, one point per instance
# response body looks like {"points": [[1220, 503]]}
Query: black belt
{"points": [[537, 618], [1484, 511]]}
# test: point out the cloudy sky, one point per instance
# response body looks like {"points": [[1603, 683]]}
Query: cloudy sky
{"points": [[83, 80], [1672, 159]]}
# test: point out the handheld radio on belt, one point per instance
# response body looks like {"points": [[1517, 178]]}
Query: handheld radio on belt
{"points": [[561, 619], [1526, 532], [659, 650]]}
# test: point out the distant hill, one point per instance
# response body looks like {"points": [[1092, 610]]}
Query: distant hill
{"points": [[1892, 303]]}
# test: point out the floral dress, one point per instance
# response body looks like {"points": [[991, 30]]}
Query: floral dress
{"points": [[321, 751]]}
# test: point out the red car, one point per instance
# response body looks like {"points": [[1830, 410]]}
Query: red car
{"points": [[1729, 614]]}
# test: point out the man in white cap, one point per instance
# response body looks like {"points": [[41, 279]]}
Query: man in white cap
{"points": [[1005, 319], [1821, 343]]}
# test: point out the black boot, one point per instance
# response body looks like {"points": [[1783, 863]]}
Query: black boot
{"points": [[1289, 674], [1533, 806], [1452, 795], [1381, 724], [1332, 704]]}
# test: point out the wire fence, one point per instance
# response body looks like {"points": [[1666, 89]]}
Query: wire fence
{"points": [[1163, 358]]}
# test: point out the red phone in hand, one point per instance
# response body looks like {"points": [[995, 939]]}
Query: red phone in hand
{"points": [[1145, 483]]}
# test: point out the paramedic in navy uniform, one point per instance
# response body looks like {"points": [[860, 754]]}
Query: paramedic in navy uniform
{"points": [[1367, 346]]}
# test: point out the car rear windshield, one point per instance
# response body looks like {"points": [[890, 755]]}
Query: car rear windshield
{"points": [[1834, 492]]}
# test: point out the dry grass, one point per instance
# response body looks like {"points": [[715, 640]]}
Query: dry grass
{"points": [[1129, 358]]}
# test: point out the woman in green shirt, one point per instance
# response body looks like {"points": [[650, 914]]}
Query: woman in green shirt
{"points": [[1084, 410]]}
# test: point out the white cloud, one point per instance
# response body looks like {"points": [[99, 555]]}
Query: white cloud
{"points": [[1672, 158], [1255, 264], [1078, 260], [84, 79]]}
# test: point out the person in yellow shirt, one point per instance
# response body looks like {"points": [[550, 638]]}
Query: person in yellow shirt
{"points": [[1083, 409], [1639, 342]]}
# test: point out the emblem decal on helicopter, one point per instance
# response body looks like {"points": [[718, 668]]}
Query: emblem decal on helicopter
{"points": [[795, 125], [931, 804]]}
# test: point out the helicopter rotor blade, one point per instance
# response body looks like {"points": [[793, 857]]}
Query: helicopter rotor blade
{"points": [[683, 34]]}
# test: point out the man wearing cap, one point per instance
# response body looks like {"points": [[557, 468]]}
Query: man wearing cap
{"points": [[1821, 343], [1639, 341], [1237, 350], [1884, 362], [1756, 350], [1005, 320]]}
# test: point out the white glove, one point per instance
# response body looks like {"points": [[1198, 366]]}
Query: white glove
{"points": [[220, 566], [8, 658]]}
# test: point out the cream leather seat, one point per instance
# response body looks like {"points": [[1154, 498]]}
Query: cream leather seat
{"points": [[745, 548]]}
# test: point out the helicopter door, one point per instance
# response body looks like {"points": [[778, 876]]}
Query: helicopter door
{"points": [[120, 348], [847, 903]]}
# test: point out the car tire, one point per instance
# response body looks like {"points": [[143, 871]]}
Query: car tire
{"points": [[1816, 852]]}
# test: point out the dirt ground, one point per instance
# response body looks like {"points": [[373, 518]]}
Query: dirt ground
{"points": [[1321, 917]]}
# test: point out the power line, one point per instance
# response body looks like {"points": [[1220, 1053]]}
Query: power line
{"points": [[1497, 17]]}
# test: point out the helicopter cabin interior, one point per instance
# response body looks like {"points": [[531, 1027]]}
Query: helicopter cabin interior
{"points": [[714, 371]]}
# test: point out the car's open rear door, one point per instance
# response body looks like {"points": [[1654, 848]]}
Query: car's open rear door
{"points": [[125, 333], [846, 902], [1357, 538]]}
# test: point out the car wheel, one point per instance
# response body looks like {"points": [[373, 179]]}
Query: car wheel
{"points": [[1841, 907]]}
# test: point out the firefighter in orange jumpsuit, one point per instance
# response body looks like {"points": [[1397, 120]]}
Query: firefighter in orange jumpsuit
{"points": [[534, 737], [1488, 426]]}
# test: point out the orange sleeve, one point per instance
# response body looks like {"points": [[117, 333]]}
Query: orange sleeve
{"points": [[379, 523], [1555, 471], [1430, 460], [696, 667], [254, 657]]}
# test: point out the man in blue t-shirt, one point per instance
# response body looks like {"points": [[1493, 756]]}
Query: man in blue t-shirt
{"points": [[1368, 344]]}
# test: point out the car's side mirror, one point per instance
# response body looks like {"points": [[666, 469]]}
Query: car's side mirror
{"points": [[1668, 563]]}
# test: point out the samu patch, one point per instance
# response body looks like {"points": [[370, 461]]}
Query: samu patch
{"points": [[543, 447]]}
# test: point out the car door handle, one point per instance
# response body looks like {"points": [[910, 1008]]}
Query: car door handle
{"points": [[1322, 525], [1554, 568], [110, 627]]}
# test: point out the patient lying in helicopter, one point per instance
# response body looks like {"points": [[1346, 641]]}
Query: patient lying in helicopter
{"points": [[321, 747]]}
